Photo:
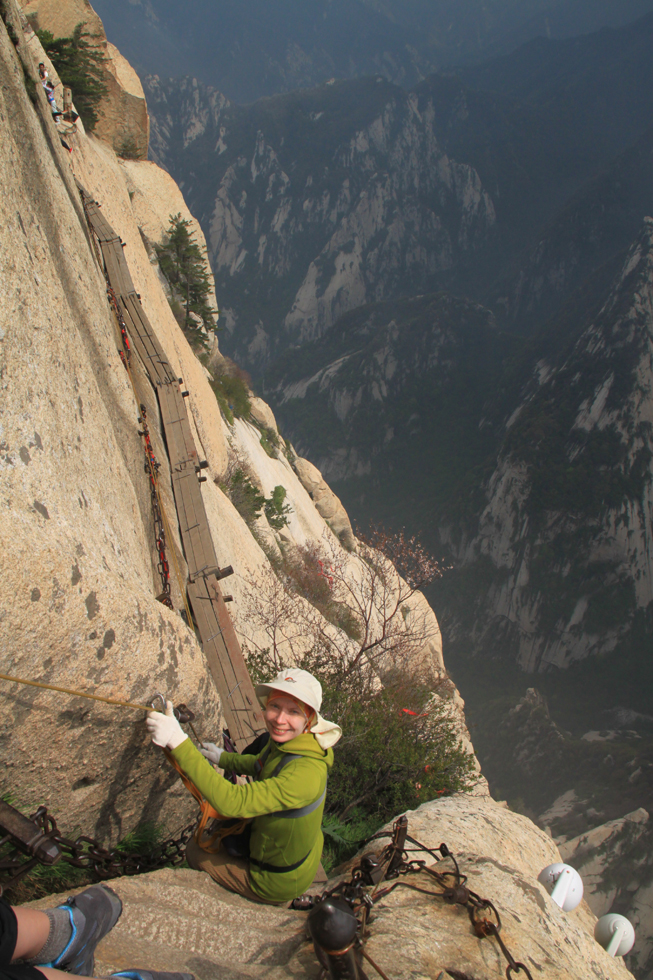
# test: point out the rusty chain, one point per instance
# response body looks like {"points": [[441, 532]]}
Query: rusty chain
{"points": [[151, 465], [363, 890], [17, 857], [152, 468]]}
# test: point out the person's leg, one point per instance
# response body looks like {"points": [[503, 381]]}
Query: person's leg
{"points": [[21, 972], [65, 937], [230, 872], [32, 931], [25, 932]]}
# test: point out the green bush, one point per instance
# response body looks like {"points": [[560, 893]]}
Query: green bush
{"points": [[232, 393], [80, 66], [399, 748], [342, 840], [246, 498], [270, 442], [276, 510]]}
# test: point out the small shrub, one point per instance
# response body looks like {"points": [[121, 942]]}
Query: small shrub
{"points": [[80, 66], [276, 510], [4, 14], [399, 747], [342, 840], [128, 150], [232, 394], [30, 87], [244, 495], [270, 442]]}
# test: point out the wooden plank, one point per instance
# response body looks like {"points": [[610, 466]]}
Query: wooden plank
{"points": [[175, 419], [198, 544], [155, 352], [241, 711], [101, 226], [219, 641]]}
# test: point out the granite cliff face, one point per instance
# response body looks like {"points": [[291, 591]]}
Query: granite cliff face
{"points": [[80, 564], [574, 481], [123, 121]]}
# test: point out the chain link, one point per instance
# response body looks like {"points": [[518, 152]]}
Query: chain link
{"points": [[86, 852], [363, 890]]}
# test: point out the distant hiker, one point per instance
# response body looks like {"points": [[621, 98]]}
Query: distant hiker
{"points": [[51, 945], [43, 74], [49, 91], [277, 858]]}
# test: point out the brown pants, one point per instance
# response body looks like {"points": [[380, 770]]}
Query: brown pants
{"points": [[233, 872], [230, 872]]}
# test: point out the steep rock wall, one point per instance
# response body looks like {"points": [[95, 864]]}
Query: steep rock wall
{"points": [[79, 563], [78, 582]]}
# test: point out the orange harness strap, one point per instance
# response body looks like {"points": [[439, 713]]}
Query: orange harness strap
{"points": [[207, 812]]}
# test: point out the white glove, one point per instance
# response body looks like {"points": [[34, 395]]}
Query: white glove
{"points": [[165, 729], [212, 752]]}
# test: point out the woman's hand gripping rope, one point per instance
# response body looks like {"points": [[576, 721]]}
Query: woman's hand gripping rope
{"points": [[165, 730]]}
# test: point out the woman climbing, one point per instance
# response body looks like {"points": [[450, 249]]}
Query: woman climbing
{"points": [[284, 800]]}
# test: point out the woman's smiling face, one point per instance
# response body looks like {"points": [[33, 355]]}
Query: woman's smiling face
{"points": [[284, 718]]}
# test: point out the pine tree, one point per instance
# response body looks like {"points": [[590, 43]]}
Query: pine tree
{"points": [[184, 266]]}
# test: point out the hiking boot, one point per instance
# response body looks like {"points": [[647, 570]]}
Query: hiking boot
{"points": [[152, 975], [93, 913]]}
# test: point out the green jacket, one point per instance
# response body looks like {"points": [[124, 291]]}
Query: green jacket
{"points": [[276, 840]]}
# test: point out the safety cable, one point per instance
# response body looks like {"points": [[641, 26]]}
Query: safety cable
{"points": [[77, 694]]}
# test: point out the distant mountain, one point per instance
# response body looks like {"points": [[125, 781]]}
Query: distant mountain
{"points": [[388, 404], [319, 201], [598, 223], [457, 31], [604, 79], [253, 48]]}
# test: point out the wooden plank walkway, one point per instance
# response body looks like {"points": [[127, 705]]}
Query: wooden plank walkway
{"points": [[219, 641]]}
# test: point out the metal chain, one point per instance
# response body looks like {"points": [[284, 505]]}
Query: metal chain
{"points": [[363, 890], [86, 852], [152, 469]]}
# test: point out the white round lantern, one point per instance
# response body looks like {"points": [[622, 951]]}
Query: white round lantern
{"points": [[564, 885], [615, 933]]}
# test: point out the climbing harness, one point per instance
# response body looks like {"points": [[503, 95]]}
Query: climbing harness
{"points": [[338, 918], [220, 826]]}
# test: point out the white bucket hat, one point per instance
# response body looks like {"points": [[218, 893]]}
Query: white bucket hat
{"points": [[306, 688]]}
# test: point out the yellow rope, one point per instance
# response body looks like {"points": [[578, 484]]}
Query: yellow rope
{"points": [[77, 694]]}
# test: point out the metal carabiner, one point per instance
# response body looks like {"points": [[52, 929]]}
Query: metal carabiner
{"points": [[163, 702]]}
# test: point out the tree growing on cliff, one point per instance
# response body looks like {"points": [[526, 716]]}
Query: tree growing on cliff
{"points": [[80, 66], [185, 268]]}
